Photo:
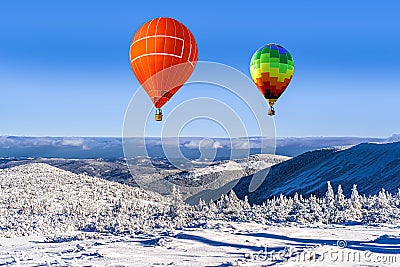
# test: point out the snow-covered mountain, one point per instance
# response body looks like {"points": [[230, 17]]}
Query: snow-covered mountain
{"points": [[228, 170], [37, 200], [117, 169], [218, 178], [371, 166], [113, 170], [41, 199]]}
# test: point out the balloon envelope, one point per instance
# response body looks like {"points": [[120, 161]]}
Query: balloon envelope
{"points": [[271, 69], [161, 44]]}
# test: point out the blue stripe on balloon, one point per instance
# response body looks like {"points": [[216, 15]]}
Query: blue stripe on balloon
{"points": [[282, 50]]}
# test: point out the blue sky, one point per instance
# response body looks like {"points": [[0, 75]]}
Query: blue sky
{"points": [[64, 68]]}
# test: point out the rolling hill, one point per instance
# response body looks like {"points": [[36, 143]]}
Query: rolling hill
{"points": [[371, 166], [40, 199]]}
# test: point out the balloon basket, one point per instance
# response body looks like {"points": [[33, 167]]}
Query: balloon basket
{"points": [[271, 112], [158, 115]]}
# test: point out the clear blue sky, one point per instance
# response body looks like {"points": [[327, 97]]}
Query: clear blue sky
{"points": [[64, 68]]}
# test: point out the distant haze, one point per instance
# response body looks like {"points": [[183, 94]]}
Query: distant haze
{"points": [[97, 147]]}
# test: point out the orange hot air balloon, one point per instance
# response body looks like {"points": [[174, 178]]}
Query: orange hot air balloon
{"points": [[163, 55]]}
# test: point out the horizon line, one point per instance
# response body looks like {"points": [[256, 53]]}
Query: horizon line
{"points": [[216, 137]]}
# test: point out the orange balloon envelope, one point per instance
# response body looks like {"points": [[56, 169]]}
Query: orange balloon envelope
{"points": [[163, 55]]}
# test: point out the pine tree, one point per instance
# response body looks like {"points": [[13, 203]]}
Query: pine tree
{"points": [[341, 212], [212, 210], [340, 198], [233, 201], [246, 204], [282, 209], [298, 209], [330, 196], [222, 204], [201, 206], [355, 200], [329, 205], [382, 199], [176, 208], [314, 210]]}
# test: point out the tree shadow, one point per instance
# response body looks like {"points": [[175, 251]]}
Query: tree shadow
{"points": [[217, 243], [384, 244]]}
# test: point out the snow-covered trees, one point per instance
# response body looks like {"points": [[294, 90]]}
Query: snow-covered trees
{"points": [[333, 208], [340, 199], [177, 208], [329, 206], [355, 204], [40, 199]]}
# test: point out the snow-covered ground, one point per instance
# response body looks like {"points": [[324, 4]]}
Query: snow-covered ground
{"points": [[53, 217], [215, 243]]}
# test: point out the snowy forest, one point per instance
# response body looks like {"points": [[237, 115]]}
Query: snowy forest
{"points": [[40, 199]]}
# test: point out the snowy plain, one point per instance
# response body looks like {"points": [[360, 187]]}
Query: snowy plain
{"points": [[215, 243]]}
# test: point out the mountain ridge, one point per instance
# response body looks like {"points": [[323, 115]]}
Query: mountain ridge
{"points": [[369, 165]]}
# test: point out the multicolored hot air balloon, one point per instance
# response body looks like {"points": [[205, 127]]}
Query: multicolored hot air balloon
{"points": [[163, 55], [271, 68]]}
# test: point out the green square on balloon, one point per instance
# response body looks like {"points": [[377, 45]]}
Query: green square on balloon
{"points": [[283, 59], [264, 57], [265, 50], [274, 53], [274, 65], [274, 60]]}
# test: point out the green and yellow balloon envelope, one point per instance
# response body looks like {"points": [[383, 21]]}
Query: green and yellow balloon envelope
{"points": [[271, 69]]}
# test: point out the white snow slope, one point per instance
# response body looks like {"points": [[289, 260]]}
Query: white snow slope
{"points": [[214, 244], [370, 166], [42, 207], [41, 199]]}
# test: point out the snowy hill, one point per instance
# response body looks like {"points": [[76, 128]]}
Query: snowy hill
{"points": [[218, 178], [370, 166], [229, 170], [113, 170], [141, 168], [41, 199]]}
